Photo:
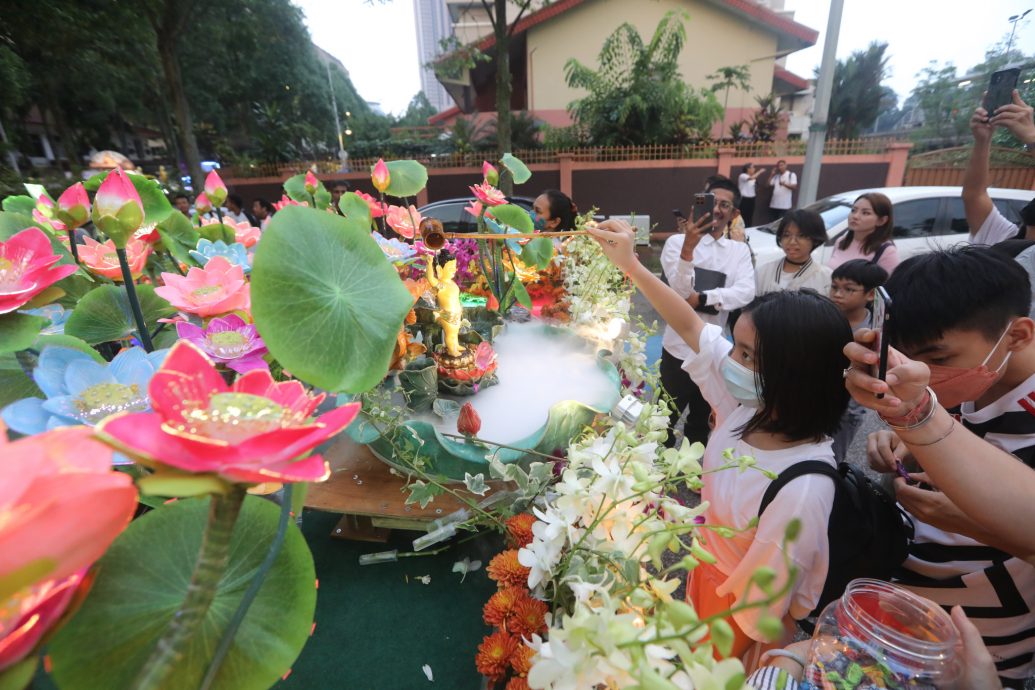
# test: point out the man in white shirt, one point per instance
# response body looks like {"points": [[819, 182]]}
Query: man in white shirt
{"points": [[783, 182], [987, 224], [746, 182], [703, 248]]}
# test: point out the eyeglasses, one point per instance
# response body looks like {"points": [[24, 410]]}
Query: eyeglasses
{"points": [[836, 290], [792, 238], [725, 205]]}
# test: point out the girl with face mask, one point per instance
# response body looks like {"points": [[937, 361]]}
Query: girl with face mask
{"points": [[554, 211], [778, 395]]}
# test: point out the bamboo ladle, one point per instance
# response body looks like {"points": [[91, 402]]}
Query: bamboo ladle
{"points": [[434, 236]]}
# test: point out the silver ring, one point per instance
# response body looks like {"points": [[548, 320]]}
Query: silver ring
{"points": [[611, 242], [844, 374]]}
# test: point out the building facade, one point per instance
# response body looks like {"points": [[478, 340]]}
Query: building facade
{"points": [[434, 25]]}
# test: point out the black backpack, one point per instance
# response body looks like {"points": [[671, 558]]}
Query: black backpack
{"points": [[869, 534]]}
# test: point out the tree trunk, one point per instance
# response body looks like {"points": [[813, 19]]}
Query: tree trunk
{"points": [[503, 89], [181, 108]]}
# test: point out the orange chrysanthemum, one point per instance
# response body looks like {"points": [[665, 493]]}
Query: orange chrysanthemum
{"points": [[519, 527], [527, 617], [500, 605], [506, 571], [521, 662], [517, 683], [494, 654]]}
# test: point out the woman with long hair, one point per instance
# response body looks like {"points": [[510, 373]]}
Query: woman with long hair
{"points": [[870, 225]]}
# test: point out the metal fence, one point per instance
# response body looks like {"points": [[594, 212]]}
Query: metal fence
{"points": [[1008, 168]]}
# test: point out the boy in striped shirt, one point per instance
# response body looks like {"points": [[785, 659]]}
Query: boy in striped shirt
{"points": [[964, 312]]}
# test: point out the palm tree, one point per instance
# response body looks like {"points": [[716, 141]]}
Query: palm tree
{"points": [[734, 76]]}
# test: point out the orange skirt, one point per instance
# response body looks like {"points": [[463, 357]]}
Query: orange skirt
{"points": [[701, 587]]}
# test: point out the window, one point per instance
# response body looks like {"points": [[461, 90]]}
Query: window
{"points": [[957, 217], [915, 218], [1010, 208], [453, 216]]}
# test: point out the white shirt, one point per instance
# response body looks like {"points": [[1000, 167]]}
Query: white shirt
{"points": [[728, 256], [747, 185], [770, 277], [995, 229], [733, 499], [782, 196]]}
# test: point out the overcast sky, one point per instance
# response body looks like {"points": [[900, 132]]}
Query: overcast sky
{"points": [[377, 43]]}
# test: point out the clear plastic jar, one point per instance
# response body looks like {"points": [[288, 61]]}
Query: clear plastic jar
{"points": [[878, 635]]}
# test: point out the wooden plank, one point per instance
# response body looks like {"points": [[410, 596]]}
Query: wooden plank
{"points": [[360, 484]]}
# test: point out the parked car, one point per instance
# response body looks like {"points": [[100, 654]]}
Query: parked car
{"points": [[925, 218], [454, 216]]}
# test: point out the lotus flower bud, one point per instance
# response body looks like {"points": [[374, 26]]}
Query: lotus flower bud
{"points": [[117, 209], [215, 190], [468, 423], [380, 176], [73, 206], [491, 175], [311, 183]]}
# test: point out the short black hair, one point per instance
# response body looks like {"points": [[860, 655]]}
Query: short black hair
{"points": [[747, 167], [967, 288], [1028, 215], [722, 182], [861, 271], [236, 199], [444, 257], [181, 195], [810, 224], [799, 347], [266, 205], [562, 208]]}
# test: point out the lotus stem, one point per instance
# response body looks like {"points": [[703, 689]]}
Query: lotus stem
{"points": [[213, 558], [71, 244], [134, 301], [251, 593], [219, 214]]}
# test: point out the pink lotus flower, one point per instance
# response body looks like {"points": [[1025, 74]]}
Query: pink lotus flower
{"points": [[404, 221], [73, 206], [488, 195], [100, 257], [45, 220], [202, 204], [252, 432], [285, 200], [217, 289], [311, 183], [215, 190], [117, 209], [60, 504], [377, 208], [229, 340], [475, 209], [244, 232], [27, 268], [490, 174], [147, 233], [380, 176]]}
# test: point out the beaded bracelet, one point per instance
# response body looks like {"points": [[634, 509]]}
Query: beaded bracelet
{"points": [[916, 417]]}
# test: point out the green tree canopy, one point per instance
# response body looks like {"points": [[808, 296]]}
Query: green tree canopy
{"points": [[857, 93]]}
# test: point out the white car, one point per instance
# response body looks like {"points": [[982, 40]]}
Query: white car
{"points": [[925, 218]]}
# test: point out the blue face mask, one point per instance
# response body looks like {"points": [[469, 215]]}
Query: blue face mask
{"points": [[540, 224], [741, 383]]}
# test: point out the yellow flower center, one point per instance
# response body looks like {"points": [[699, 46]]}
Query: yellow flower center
{"points": [[234, 417], [111, 258], [104, 399], [10, 276], [206, 291], [228, 344]]}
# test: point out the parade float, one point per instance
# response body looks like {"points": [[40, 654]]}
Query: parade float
{"points": [[172, 387]]}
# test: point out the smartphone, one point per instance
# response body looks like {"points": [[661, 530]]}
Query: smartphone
{"points": [[881, 310], [1000, 89], [703, 204], [678, 213]]}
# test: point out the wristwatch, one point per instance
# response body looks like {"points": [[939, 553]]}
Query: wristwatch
{"points": [[702, 299]]}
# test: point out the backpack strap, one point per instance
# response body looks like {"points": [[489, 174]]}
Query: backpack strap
{"points": [[880, 252], [796, 470]]}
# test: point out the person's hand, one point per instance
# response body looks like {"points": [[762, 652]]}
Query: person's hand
{"points": [[616, 238], [979, 125], [792, 667], [692, 234], [931, 506], [906, 379], [883, 449], [1018, 117], [978, 666]]}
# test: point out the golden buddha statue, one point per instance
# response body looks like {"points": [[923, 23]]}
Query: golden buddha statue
{"points": [[449, 313]]}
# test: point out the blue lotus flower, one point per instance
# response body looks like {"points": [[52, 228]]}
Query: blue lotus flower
{"points": [[56, 314], [81, 390], [495, 227], [395, 251], [234, 253]]}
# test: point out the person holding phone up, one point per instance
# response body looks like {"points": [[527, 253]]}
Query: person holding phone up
{"points": [[697, 255], [987, 224], [783, 182]]}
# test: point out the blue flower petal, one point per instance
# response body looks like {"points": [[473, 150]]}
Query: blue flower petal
{"points": [[53, 363], [157, 358], [26, 416], [64, 407], [58, 422], [131, 366], [81, 375]]}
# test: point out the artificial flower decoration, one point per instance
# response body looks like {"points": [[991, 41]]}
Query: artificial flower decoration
{"points": [[234, 253], [27, 268], [488, 195], [505, 569], [285, 200], [117, 209], [377, 208], [100, 257], [380, 177], [257, 430], [490, 174], [73, 206], [218, 288], [147, 233], [500, 604], [244, 232], [55, 314], [468, 422], [60, 505], [215, 190], [527, 617], [311, 183], [48, 221], [395, 251], [519, 529], [81, 390], [202, 204], [494, 654], [404, 221], [228, 340], [475, 209]]}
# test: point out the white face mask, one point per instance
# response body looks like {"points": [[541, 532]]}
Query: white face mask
{"points": [[741, 383]]}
